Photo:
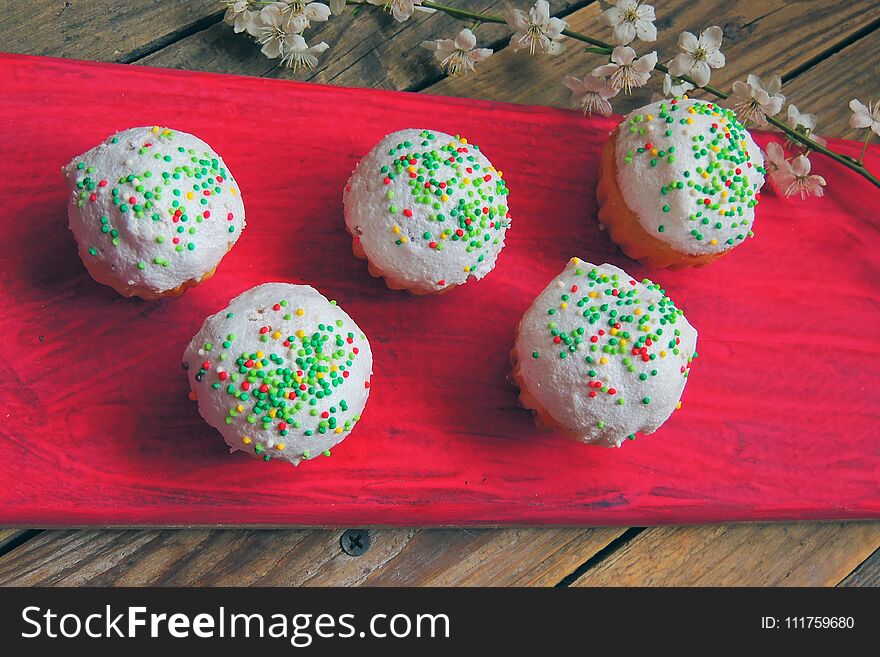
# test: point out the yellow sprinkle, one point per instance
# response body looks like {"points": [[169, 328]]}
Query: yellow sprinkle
{"points": [[189, 196], [563, 305], [233, 191], [716, 148], [622, 342], [678, 405], [403, 240], [338, 430], [614, 331], [444, 197], [246, 440], [273, 412], [713, 242], [704, 174], [662, 354], [724, 194], [649, 117], [279, 446], [466, 181], [258, 365], [603, 360], [299, 379], [300, 312], [575, 261], [411, 169], [444, 235], [593, 295], [689, 120], [320, 375], [646, 328], [467, 269], [396, 230], [691, 110], [500, 173], [637, 311], [276, 334], [240, 408], [463, 140], [653, 151], [333, 368], [300, 333], [155, 130], [260, 354]]}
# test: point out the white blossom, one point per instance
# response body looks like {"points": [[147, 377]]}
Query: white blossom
{"points": [[629, 19], [793, 177], [699, 56], [460, 54], [275, 32], [865, 117], [625, 71], [803, 123], [590, 94], [755, 100], [402, 10], [774, 157], [536, 30], [301, 14], [298, 54], [239, 15], [673, 86]]}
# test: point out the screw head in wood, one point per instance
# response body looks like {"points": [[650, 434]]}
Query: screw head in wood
{"points": [[355, 542]]}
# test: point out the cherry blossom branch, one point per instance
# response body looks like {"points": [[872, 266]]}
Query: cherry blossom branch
{"points": [[602, 47]]}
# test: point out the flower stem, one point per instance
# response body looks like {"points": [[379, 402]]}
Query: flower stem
{"points": [[856, 165], [864, 146]]}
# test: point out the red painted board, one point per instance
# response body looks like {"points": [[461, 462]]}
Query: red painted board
{"points": [[780, 414]]}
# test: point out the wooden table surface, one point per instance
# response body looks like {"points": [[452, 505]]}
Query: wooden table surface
{"points": [[825, 53]]}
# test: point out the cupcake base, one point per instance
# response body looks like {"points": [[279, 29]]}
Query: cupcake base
{"points": [[543, 419], [393, 282], [626, 231], [102, 274]]}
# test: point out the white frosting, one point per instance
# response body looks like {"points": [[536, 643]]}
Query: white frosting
{"points": [[680, 216], [375, 210], [177, 178], [248, 338], [648, 389]]}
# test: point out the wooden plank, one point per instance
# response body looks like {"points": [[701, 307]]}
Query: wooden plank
{"points": [[514, 557], [866, 574], [105, 31], [370, 50], [761, 37], [298, 557], [826, 89], [738, 555], [10, 537]]}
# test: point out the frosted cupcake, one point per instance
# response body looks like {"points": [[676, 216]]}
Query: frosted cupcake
{"points": [[680, 181], [602, 356], [153, 211], [427, 210], [282, 373]]}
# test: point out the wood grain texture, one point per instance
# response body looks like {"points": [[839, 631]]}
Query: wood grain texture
{"points": [[738, 555], [371, 50], [760, 37], [104, 31], [867, 574], [826, 89], [283, 557], [464, 457]]}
